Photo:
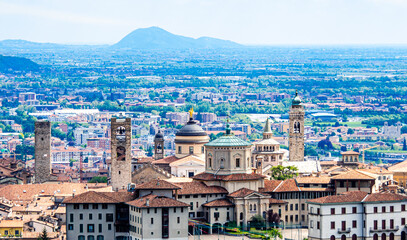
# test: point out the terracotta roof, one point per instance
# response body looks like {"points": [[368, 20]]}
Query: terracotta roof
{"points": [[26, 192], [376, 170], [198, 188], [277, 201], [231, 177], [156, 202], [288, 185], [384, 197], [328, 163], [270, 185], [243, 192], [157, 184], [354, 196], [350, 153], [166, 160], [219, 203], [313, 180], [11, 223], [353, 175], [303, 189], [399, 167], [100, 197]]}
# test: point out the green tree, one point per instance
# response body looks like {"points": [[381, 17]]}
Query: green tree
{"points": [[351, 131], [274, 233], [404, 129], [282, 173], [257, 221], [404, 145], [43, 235], [98, 179]]}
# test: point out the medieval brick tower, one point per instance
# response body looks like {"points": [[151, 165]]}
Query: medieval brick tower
{"points": [[42, 151], [296, 130], [120, 172], [159, 146]]}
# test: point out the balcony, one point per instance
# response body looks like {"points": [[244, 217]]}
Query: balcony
{"points": [[345, 230], [388, 229]]}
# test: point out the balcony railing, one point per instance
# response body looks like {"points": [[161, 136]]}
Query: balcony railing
{"points": [[341, 230], [388, 229]]}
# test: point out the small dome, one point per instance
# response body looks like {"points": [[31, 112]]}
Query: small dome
{"points": [[191, 129], [297, 99], [159, 135]]}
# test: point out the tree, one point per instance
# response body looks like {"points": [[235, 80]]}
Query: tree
{"points": [[282, 173], [325, 144], [98, 179], [351, 131], [43, 235], [257, 221], [274, 233], [404, 129], [404, 145]]}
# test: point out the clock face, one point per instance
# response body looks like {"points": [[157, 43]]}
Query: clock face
{"points": [[121, 153]]}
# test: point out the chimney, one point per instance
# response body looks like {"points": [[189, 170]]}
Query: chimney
{"points": [[147, 202]]}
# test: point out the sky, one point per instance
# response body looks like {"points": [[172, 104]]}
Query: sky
{"points": [[254, 22]]}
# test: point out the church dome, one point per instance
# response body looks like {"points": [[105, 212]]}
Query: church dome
{"points": [[159, 135], [191, 129], [297, 99]]}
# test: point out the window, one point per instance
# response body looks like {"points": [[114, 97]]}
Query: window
{"points": [[332, 225], [354, 209], [403, 207], [90, 237], [238, 162], [179, 149], [332, 211], [354, 224], [70, 226], [391, 224], [104, 206], [343, 210], [391, 208], [80, 227], [71, 217], [318, 225], [383, 224], [343, 225], [192, 205], [76, 206], [109, 217], [191, 150], [100, 228], [80, 216], [312, 224], [318, 211], [100, 216], [100, 237], [91, 228], [383, 209], [375, 224], [375, 209], [202, 149], [109, 227], [311, 210], [81, 237], [95, 206], [152, 220], [178, 219], [90, 216], [210, 162], [403, 221], [291, 207], [296, 206], [303, 207], [85, 206]]}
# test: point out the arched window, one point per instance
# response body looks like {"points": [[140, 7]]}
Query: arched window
{"points": [[391, 237], [241, 216], [90, 237], [332, 237], [121, 153], [383, 236], [354, 237], [403, 235], [222, 163], [210, 162], [343, 237], [100, 237], [375, 237], [251, 206], [254, 207], [81, 237]]}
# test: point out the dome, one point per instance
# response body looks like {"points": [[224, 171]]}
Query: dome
{"points": [[228, 140], [297, 99], [191, 129], [159, 135]]}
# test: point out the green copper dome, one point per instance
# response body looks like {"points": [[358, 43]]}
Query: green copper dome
{"points": [[228, 140], [297, 99]]}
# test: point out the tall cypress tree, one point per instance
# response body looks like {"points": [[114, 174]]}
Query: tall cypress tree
{"points": [[404, 145]]}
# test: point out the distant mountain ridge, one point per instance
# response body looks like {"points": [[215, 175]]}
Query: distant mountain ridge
{"points": [[158, 38], [142, 38], [11, 64]]}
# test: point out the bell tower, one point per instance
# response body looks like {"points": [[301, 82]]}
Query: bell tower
{"points": [[120, 172], [296, 130], [42, 151], [159, 146]]}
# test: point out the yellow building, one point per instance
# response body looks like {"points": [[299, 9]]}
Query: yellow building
{"points": [[11, 228], [400, 173]]}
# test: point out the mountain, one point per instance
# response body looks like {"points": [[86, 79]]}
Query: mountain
{"points": [[10, 64], [157, 38]]}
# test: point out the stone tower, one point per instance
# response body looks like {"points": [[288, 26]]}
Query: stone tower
{"points": [[267, 133], [159, 146], [42, 151], [296, 130], [120, 172]]}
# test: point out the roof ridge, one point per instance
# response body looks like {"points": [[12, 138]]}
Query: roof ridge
{"points": [[278, 185]]}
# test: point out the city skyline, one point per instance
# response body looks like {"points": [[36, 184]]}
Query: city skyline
{"points": [[294, 22]]}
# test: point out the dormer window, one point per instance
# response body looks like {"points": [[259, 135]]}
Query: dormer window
{"points": [[238, 162], [222, 163]]}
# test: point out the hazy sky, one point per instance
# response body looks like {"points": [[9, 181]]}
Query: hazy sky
{"points": [[244, 21]]}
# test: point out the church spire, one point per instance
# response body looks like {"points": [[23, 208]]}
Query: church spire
{"points": [[228, 130], [267, 133]]}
